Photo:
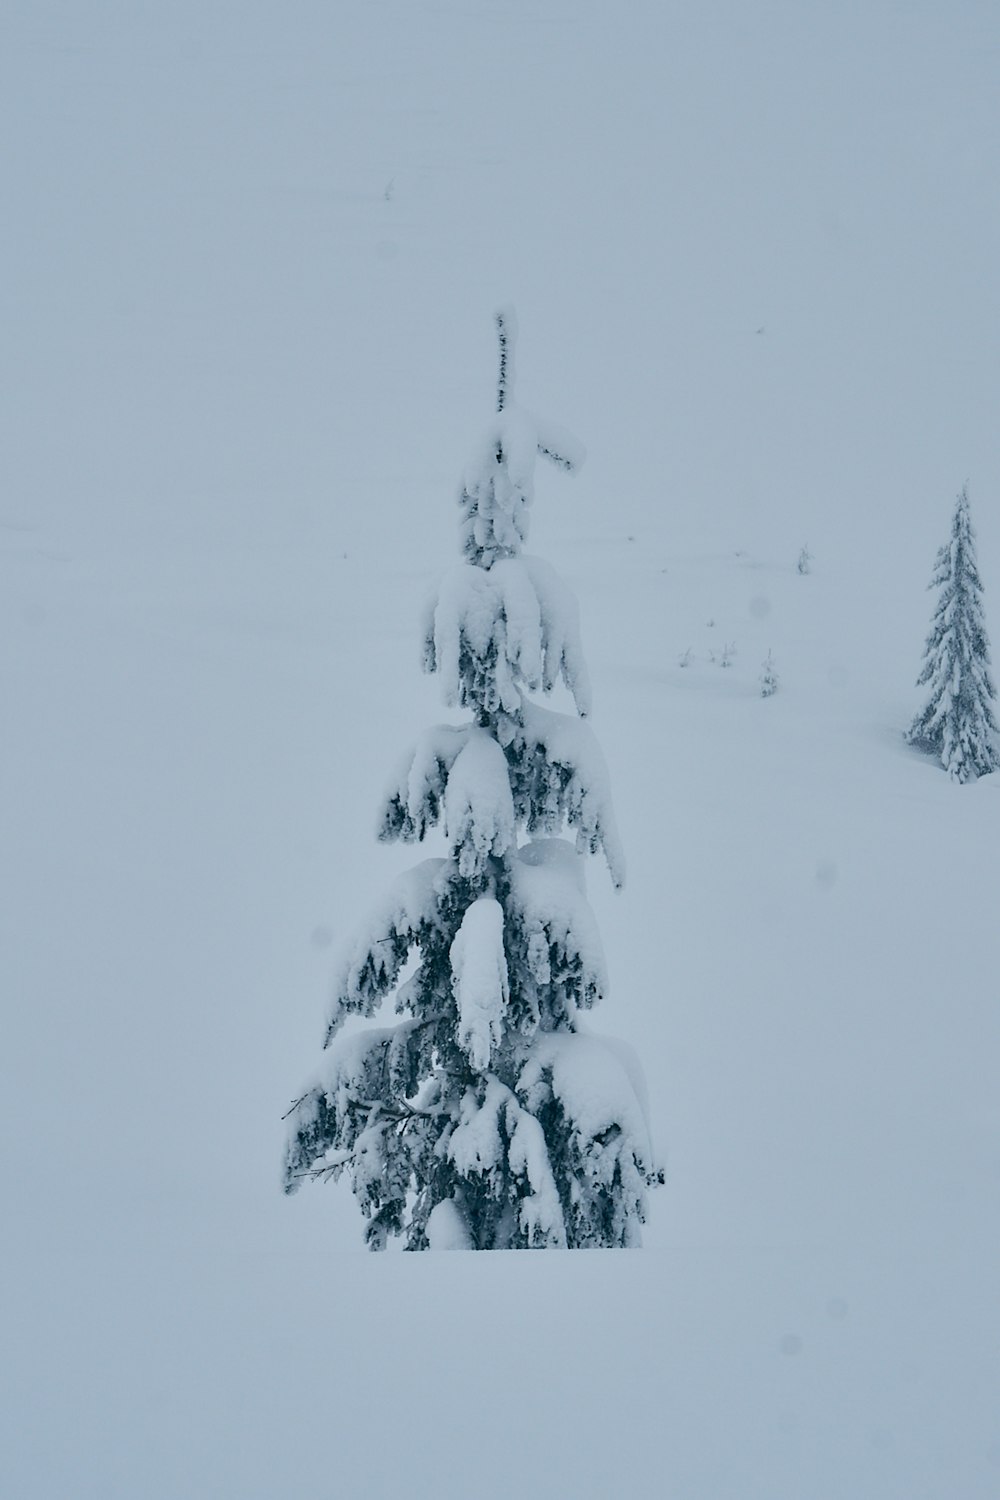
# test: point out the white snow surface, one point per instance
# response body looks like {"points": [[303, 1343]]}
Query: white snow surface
{"points": [[559, 613], [250, 265], [467, 620]]}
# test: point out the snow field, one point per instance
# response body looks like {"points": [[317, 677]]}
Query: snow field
{"points": [[240, 382]]}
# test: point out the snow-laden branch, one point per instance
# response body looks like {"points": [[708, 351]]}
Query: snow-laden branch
{"points": [[354, 1091], [562, 650], [559, 775], [552, 773], [497, 1140], [495, 631], [478, 806], [608, 1143], [558, 932], [457, 777], [370, 964], [416, 796]]}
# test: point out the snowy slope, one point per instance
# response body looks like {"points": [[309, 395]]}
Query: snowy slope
{"points": [[251, 260]]}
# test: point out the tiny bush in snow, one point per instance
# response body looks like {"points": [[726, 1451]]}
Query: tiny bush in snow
{"points": [[804, 564], [768, 677], [485, 1116], [957, 723]]}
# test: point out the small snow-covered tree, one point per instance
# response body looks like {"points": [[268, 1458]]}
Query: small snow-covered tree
{"points": [[486, 1115], [768, 677], [957, 723]]}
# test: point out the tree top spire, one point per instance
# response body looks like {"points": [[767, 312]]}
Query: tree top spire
{"points": [[506, 321]]}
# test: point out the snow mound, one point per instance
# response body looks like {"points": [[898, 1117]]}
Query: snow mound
{"points": [[446, 1229]]}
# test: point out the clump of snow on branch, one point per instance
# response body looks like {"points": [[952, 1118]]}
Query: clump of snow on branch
{"points": [[415, 798], [476, 1146], [478, 806], [479, 980], [496, 1136], [593, 1086], [540, 1212]]}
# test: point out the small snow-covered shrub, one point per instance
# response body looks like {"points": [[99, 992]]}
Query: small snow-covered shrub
{"points": [[768, 677]]}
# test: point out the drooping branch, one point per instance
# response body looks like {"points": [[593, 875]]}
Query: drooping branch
{"points": [[560, 447]]}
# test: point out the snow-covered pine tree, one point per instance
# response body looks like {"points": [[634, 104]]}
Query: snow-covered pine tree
{"points": [[488, 1117], [957, 723]]}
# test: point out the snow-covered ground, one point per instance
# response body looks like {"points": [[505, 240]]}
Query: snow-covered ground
{"points": [[250, 260]]}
